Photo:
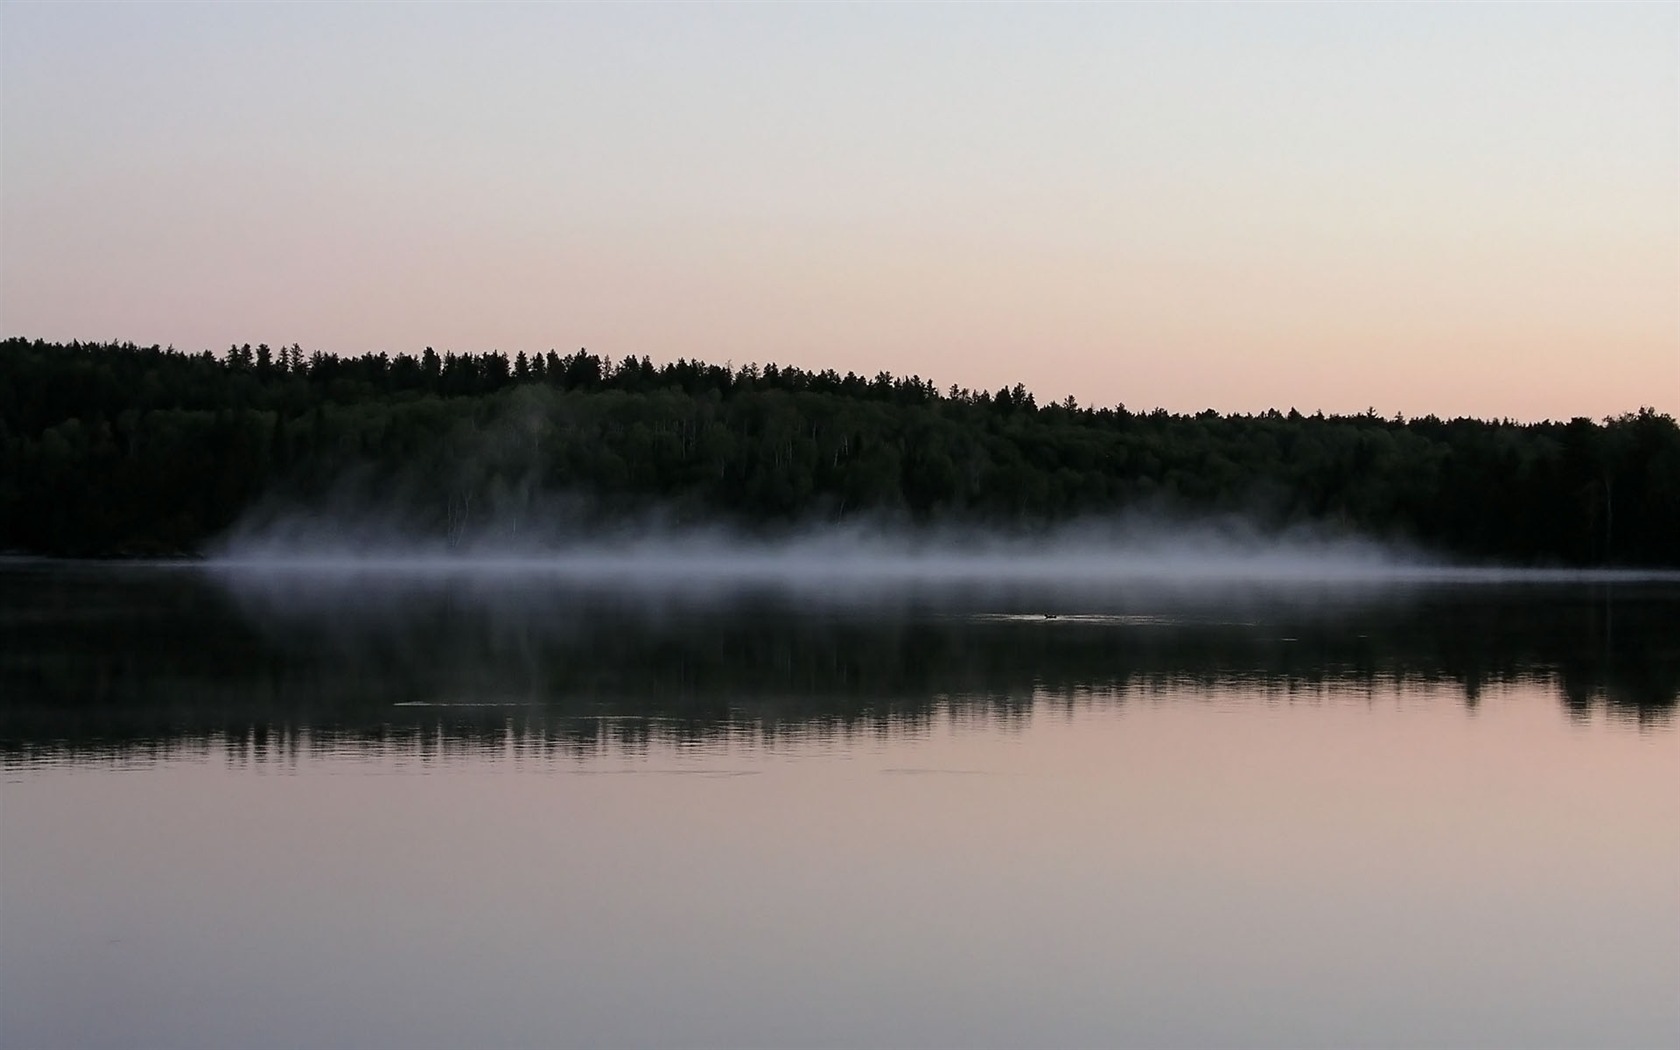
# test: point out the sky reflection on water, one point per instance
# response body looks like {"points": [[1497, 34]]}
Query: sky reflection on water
{"points": [[433, 816]]}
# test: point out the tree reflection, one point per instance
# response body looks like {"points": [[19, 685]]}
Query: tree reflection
{"points": [[128, 665]]}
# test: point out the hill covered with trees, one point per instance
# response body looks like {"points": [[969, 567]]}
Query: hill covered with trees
{"points": [[117, 449]]}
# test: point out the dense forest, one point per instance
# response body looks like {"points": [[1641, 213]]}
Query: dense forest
{"points": [[117, 449]]}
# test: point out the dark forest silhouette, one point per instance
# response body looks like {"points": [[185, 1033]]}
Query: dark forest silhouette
{"points": [[117, 449]]}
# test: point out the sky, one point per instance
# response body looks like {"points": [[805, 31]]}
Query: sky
{"points": [[1461, 210]]}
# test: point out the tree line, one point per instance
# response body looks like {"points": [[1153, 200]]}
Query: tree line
{"points": [[118, 449]]}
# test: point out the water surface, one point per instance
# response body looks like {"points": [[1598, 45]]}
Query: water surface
{"points": [[277, 809]]}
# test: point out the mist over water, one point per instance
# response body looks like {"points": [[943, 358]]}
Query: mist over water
{"points": [[1095, 562]]}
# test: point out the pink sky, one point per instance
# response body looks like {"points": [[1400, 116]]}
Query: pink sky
{"points": [[1417, 209]]}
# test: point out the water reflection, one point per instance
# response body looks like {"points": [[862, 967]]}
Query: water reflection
{"points": [[122, 663], [462, 815]]}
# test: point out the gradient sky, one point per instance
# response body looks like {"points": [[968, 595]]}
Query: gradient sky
{"points": [[1471, 209]]}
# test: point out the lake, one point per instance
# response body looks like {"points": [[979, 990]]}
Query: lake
{"points": [[270, 808]]}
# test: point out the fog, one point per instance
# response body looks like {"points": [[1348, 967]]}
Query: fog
{"points": [[1151, 552]]}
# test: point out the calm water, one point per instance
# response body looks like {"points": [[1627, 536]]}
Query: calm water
{"points": [[248, 809]]}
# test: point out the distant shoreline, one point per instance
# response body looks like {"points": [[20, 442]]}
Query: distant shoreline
{"points": [[858, 573]]}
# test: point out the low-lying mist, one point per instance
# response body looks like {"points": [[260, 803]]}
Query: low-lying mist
{"points": [[1154, 551]]}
